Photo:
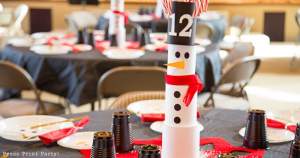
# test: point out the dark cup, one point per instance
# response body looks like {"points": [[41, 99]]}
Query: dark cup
{"points": [[295, 150], [80, 37], [227, 155], [149, 151], [255, 134], [103, 145], [122, 132], [297, 133]]}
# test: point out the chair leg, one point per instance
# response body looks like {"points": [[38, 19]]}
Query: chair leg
{"points": [[92, 106], [68, 106]]}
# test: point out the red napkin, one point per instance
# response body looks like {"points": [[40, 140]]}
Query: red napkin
{"points": [[157, 117], [277, 124], [74, 48], [161, 49], [54, 136]]}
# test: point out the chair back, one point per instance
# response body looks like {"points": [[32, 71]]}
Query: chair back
{"points": [[20, 14], [241, 71], [14, 77], [127, 79], [1, 8], [205, 31], [298, 18], [239, 51]]}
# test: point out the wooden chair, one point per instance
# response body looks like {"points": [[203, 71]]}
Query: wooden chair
{"points": [[239, 74], [14, 77], [124, 100], [127, 79]]}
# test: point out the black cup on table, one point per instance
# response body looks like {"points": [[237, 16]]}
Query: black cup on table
{"points": [[295, 150], [255, 133], [80, 36], [103, 145], [297, 133], [122, 132], [149, 151]]}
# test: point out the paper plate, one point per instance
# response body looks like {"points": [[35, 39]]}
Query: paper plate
{"points": [[20, 41], [147, 107], [275, 135], [78, 141], [123, 53], [83, 47], [158, 126], [18, 128], [51, 50]]}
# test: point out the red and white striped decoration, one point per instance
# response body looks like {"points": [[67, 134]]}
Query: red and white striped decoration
{"points": [[201, 6]]}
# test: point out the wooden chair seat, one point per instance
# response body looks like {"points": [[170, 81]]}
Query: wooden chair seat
{"points": [[17, 107], [124, 100]]}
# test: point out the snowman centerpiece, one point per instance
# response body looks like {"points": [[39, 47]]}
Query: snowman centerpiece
{"points": [[181, 132]]}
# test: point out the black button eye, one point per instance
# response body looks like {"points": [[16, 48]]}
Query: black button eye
{"points": [[177, 54], [177, 94], [177, 120], [177, 107], [187, 55]]}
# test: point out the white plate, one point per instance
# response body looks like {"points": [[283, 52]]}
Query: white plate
{"points": [[158, 126], [50, 50], [78, 141], [20, 41], [275, 135], [16, 127], [153, 47], [119, 53], [286, 116], [83, 47], [147, 107]]}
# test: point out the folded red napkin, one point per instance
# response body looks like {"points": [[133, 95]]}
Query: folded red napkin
{"points": [[161, 49], [74, 48], [54, 136], [277, 124], [133, 45], [156, 117]]}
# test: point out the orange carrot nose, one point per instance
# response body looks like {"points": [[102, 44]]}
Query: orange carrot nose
{"points": [[178, 64]]}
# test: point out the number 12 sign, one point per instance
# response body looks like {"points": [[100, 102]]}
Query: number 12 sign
{"points": [[181, 29]]}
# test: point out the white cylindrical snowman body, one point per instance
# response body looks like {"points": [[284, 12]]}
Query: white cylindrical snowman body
{"points": [[181, 132], [117, 29]]}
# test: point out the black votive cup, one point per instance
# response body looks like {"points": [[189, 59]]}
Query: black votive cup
{"points": [[80, 36], [295, 150], [103, 145], [297, 133], [227, 155], [255, 133], [122, 132], [149, 151]]}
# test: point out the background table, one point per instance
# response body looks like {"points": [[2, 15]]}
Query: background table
{"points": [[75, 76], [217, 123]]}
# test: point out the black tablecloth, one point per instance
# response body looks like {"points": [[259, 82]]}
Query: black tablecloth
{"points": [[75, 76], [217, 123]]}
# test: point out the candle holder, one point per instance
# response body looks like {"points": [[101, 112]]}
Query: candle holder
{"points": [[103, 145], [122, 132], [255, 133], [149, 151]]}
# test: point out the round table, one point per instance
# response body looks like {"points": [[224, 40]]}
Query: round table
{"points": [[216, 122], [75, 76]]}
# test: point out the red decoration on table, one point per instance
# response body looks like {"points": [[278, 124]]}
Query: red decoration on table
{"points": [[101, 46], [220, 146], [156, 117], [192, 81], [161, 49], [117, 12], [277, 124], [54, 136]]}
